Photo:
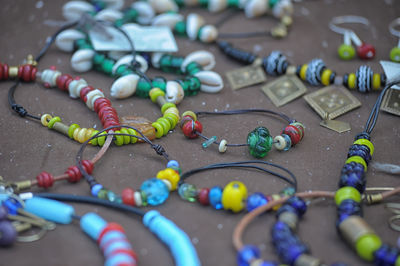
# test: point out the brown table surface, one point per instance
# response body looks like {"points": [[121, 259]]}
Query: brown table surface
{"points": [[27, 148]]}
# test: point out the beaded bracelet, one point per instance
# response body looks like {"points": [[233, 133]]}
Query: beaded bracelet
{"points": [[259, 140], [314, 72]]}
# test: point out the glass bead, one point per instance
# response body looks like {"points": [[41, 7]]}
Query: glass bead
{"points": [[347, 193], [234, 196], [247, 254], [366, 246], [294, 134], [159, 82], [208, 142], [95, 189], [215, 196], [155, 191], [260, 142], [102, 194], [255, 200], [289, 191], [180, 28], [298, 204], [203, 196], [111, 196], [288, 142], [188, 192], [172, 163], [171, 175], [395, 54], [346, 52]]}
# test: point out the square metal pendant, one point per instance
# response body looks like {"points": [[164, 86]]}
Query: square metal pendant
{"points": [[331, 102], [284, 89], [245, 77], [391, 102]]}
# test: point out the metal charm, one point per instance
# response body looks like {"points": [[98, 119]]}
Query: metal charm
{"points": [[338, 126], [246, 76], [391, 102], [284, 90]]}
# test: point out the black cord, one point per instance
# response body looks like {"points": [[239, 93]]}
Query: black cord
{"points": [[92, 200], [19, 109], [239, 35], [245, 164]]}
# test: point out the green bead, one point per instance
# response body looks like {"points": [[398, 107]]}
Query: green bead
{"points": [[233, 3], [260, 142], [82, 44], [188, 192], [143, 88], [119, 22], [159, 82], [180, 3], [345, 193], [98, 59], [193, 68], [397, 261], [107, 66], [144, 198], [130, 15], [289, 191], [120, 70], [203, 2], [180, 28], [194, 85], [102, 194], [346, 52], [366, 246], [272, 3], [395, 54]]}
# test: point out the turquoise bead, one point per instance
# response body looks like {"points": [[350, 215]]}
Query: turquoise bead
{"points": [[260, 142], [155, 190], [215, 197], [188, 192]]}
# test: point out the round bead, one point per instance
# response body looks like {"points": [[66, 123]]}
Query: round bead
{"points": [[191, 114], [3, 213], [279, 143], [215, 196], [155, 190], [45, 180], [203, 196], [366, 143], [222, 146], [346, 52], [357, 159], [128, 196], [8, 234], [171, 175], [247, 254], [367, 245], [366, 51], [234, 196], [188, 192], [96, 189], [300, 127], [345, 193], [294, 134], [172, 163], [159, 129], [395, 54], [138, 198], [190, 129], [255, 200], [260, 142]]}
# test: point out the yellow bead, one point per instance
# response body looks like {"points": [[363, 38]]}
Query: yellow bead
{"points": [[119, 140], [234, 196], [166, 106], [276, 197], [345, 193], [127, 139], [45, 119], [397, 261], [376, 81], [165, 124], [172, 110], [351, 81], [326, 76], [101, 139], [367, 245], [132, 132], [303, 71], [155, 93], [171, 175], [191, 114], [159, 129], [94, 141], [72, 129], [172, 119], [357, 159], [366, 143], [53, 121]]}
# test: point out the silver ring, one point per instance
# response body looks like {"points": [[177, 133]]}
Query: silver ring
{"points": [[392, 25], [347, 19]]}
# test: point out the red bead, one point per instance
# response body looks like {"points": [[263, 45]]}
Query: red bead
{"points": [[3, 71], [62, 82], [27, 73], [186, 118], [294, 134], [110, 227], [128, 196], [75, 175], [366, 51], [45, 180], [128, 252], [203, 196], [85, 91], [101, 102], [53, 67], [191, 128]]}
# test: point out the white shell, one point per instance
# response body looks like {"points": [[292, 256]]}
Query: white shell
{"points": [[222, 146], [81, 60], [282, 8], [163, 6], [255, 8], [174, 92], [74, 10], [114, 4], [110, 15], [155, 59], [50, 76], [92, 96], [191, 2], [169, 20], [75, 87], [65, 40], [193, 24], [127, 59], [209, 33], [145, 11], [129, 26], [124, 86], [217, 5], [211, 82], [203, 58], [116, 55]]}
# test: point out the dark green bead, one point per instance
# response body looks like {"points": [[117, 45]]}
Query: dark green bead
{"points": [[102, 194], [260, 142], [233, 3], [180, 28], [272, 3], [289, 191], [180, 3], [98, 59], [82, 44], [107, 66], [203, 2], [144, 198], [159, 82], [143, 88], [119, 22], [193, 68], [130, 15]]}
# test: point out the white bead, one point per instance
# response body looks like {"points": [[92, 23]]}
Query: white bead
{"points": [[125, 86], [163, 6], [82, 60], [279, 143], [217, 5], [168, 19], [65, 40], [166, 182], [127, 60], [74, 10], [75, 87], [255, 8], [138, 198], [202, 57], [174, 92], [208, 34], [145, 12], [211, 82], [222, 146], [114, 4], [50, 76], [109, 15], [155, 59], [282, 8], [93, 96], [193, 23]]}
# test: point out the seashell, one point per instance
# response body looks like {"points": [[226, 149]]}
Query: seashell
{"points": [[114, 4], [208, 34], [74, 10], [140, 123], [81, 60], [129, 26], [169, 20], [193, 24], [211, 82], [92, 96], [155, 59], [75, 87], [125, 86], [217, 5], [163, 6], [127, 60], [145, 12], [110, 15], [49, 77], [255, 8], [65, 40], [283, 8], [191, 2], [116, 55], [203, 58], [174, 92]]}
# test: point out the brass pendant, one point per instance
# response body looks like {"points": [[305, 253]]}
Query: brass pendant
{"points": [[391, 102], [284, 89], [246, 76], [338, 126]]}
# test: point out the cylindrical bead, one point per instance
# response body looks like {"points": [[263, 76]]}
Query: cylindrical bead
{"points": [[353, 228], [93, 225], [51, 210]]}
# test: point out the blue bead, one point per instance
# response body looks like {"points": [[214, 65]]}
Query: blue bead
{"points": [[12, 206], [286, 208], [269, 263], [95, 189], [156, 191], [288, 142], [247, 254], [385, 255], [215, 196], [360, 150], [353, 180], [172, 163], [292, 253], [92, 224], [51, 210], [255, 200], [298, 204], [339, 264], [350, 207]]}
